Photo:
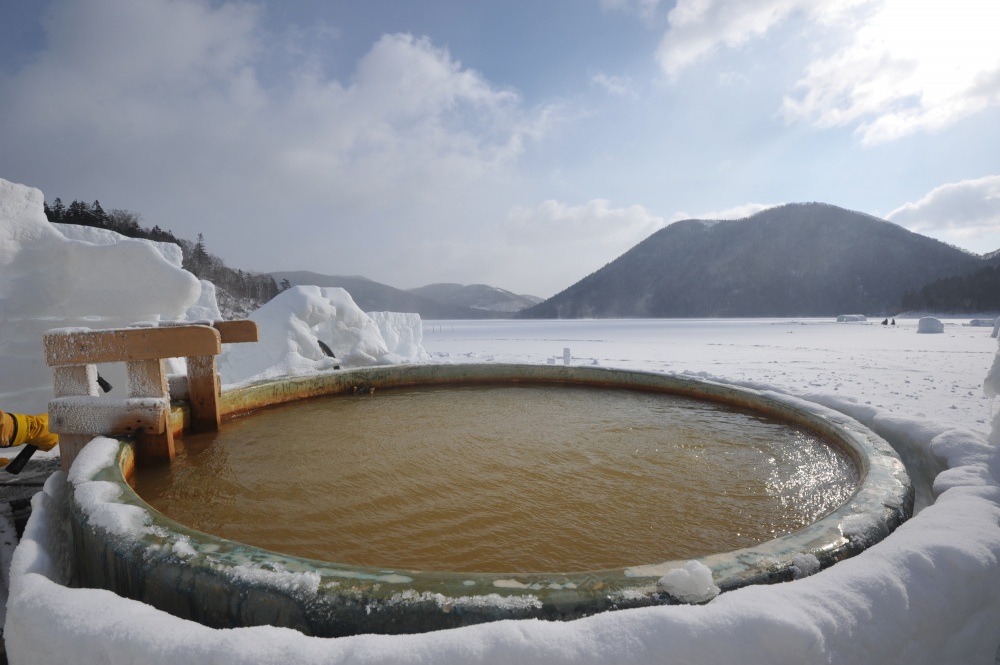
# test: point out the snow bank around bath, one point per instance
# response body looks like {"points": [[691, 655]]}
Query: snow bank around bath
{"points": [[75, 278], [292, 325], [928, 594]]}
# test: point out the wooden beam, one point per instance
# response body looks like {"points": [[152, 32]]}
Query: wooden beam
{"points": [[237, 332], [102, 346], [93, 416]]}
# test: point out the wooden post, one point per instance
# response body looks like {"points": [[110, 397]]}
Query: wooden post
{"points": [[203, 386], [73, 380], [203, 393], [146, 378]]}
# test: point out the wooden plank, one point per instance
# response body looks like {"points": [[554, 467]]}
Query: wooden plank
{"points": [[237, 332], [118, 344], [203, 393], [233, 332], [102, 415]]}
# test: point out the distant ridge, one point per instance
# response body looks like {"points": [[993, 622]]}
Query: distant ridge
{"points": [[803, 259], [376, 297], [476, 296]]}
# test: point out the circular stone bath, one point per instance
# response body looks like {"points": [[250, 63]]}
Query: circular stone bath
{"points": [[222, 583]]}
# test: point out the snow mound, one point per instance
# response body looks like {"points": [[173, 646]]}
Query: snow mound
{"points": [[930, 325], [403, 334], [691, 584], [79, 277], [805, 565], [292, 325], [991, 388]]}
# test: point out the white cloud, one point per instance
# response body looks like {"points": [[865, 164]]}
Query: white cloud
{"points": [[960, 210], [912, 66], [620, 86], [164, 107], [902, 66], [736, 212], [699, 27]]}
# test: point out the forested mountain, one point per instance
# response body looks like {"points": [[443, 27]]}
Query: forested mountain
{"points": [[975, 293], [239, 292], [476, 296], [808, 259], [376, 297]]}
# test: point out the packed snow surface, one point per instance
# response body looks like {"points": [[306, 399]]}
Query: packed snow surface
{"points": [[929, 593]]}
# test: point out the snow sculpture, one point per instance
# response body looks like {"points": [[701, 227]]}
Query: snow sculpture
{"points": [[403, 334]]}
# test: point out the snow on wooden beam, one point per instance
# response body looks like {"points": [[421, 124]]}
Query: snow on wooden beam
{"points": [[74, 346], [111, 416]]}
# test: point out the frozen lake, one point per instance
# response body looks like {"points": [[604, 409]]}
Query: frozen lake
{"points": [[937, 376]]}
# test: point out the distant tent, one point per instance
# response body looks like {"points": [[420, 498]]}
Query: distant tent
{"points": [[851, 318], [930, 325]]}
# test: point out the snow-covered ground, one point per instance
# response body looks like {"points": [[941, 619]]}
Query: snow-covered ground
{"points": [[929, 593]]}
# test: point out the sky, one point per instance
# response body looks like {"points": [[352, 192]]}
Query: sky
{"points": [[522, 144]]}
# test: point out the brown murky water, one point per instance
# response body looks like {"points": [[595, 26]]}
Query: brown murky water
{"points": [[501, 479]]}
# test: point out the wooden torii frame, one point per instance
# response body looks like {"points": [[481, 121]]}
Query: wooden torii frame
{"points": [[77, 414]]}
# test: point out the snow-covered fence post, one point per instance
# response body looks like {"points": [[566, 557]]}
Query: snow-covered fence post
{"points": [[77, 414]]}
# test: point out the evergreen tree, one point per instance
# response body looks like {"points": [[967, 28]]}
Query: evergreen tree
{"points": [[97, 213], [58, 211], [199, 256], [77, 213]]}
